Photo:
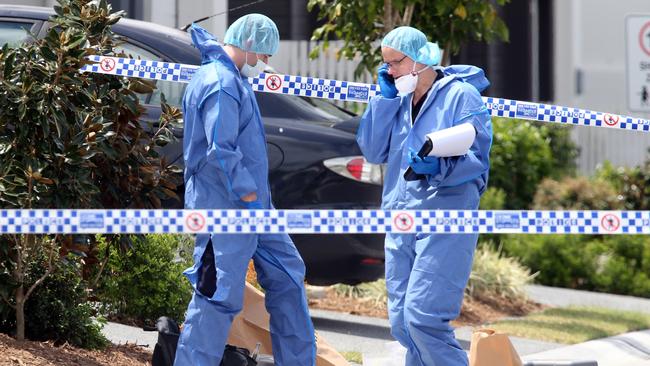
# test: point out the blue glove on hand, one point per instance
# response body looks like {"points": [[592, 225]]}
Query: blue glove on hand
{"points": [[254, 205], [386, 82], [428, 165]]}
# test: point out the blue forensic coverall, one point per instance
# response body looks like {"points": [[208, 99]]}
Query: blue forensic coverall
{"points": [[426, 274], [225, 159]]}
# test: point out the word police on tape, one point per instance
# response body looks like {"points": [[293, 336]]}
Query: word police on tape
{"points": [[360, 92], [322, 221]]}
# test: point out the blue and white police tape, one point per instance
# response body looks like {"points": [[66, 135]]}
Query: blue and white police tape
{"points": [[360, 92], [322, 221]]}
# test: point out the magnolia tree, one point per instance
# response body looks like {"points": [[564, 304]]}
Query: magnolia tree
{"points": [[71, 140], [360, 24]]}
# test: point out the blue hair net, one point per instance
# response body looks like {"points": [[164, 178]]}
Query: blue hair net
{"points": [[255, 33], [413, 44]]}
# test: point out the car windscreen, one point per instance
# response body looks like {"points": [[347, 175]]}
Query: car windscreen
{"points": [[300, 108]]}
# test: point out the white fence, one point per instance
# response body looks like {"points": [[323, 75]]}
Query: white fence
{"points": [[621, 148]]}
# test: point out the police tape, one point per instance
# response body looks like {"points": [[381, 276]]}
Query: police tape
{"points": [[360, 92], [69, 221]]}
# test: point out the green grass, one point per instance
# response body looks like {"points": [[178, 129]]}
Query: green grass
{"points": [[573, 324], [353, 357], [368, 290]]}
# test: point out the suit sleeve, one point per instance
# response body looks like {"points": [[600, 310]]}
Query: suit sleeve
{"points": [[376, 127]]}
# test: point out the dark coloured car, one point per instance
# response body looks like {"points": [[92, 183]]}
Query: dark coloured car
{"points": [[314, 160]]}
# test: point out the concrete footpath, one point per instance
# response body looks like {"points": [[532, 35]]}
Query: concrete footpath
{"points": [[371, 336]]}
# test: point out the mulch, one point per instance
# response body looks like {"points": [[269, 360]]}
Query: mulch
{"points": [[475, 312], [27, 353]]}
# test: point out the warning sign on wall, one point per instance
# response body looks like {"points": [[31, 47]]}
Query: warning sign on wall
{"points": [[637, 28]]}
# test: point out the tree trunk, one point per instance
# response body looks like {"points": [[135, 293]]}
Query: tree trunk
{"points": [[408, 14], [21, 294], [21, 243], [20, 313], [388, 16], [446, 56]]}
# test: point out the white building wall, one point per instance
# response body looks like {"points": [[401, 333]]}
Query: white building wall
{"points": [[177, 13], [590, 45]]}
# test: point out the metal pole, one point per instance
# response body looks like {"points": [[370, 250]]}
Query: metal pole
{"points": [[534, 51], [176, 10], [298, 20]]}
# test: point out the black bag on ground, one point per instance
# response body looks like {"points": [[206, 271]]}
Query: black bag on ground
{"points": [[165, 350], [235, 356]]}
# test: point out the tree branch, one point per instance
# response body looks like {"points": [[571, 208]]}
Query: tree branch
{"points": [[8, 302], [38, 282], [93, 285], [47, 272]]}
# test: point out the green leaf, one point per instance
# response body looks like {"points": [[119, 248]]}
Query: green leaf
{"points": [[9, 64], [80, 39], [314, 53], [4, 148], [461, 12]]}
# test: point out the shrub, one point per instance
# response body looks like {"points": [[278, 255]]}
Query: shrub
{"points": [[564, 150], [493, 199], [624, 267], [615, 264], [632, 184], [578, 193], [146, 282], [494, 275], [58, 309], [524, 153], [561, 260]]}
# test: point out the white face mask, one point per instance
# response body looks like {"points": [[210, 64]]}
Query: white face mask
{"points": [[253, 71], [406, 84]]}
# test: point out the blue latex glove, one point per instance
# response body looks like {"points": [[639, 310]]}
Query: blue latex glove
{"points": [[254, 205], [428, 165], [386, 82]]}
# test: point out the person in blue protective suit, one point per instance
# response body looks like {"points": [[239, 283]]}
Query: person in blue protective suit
{"points": [[426, 273], [226, 167]]}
